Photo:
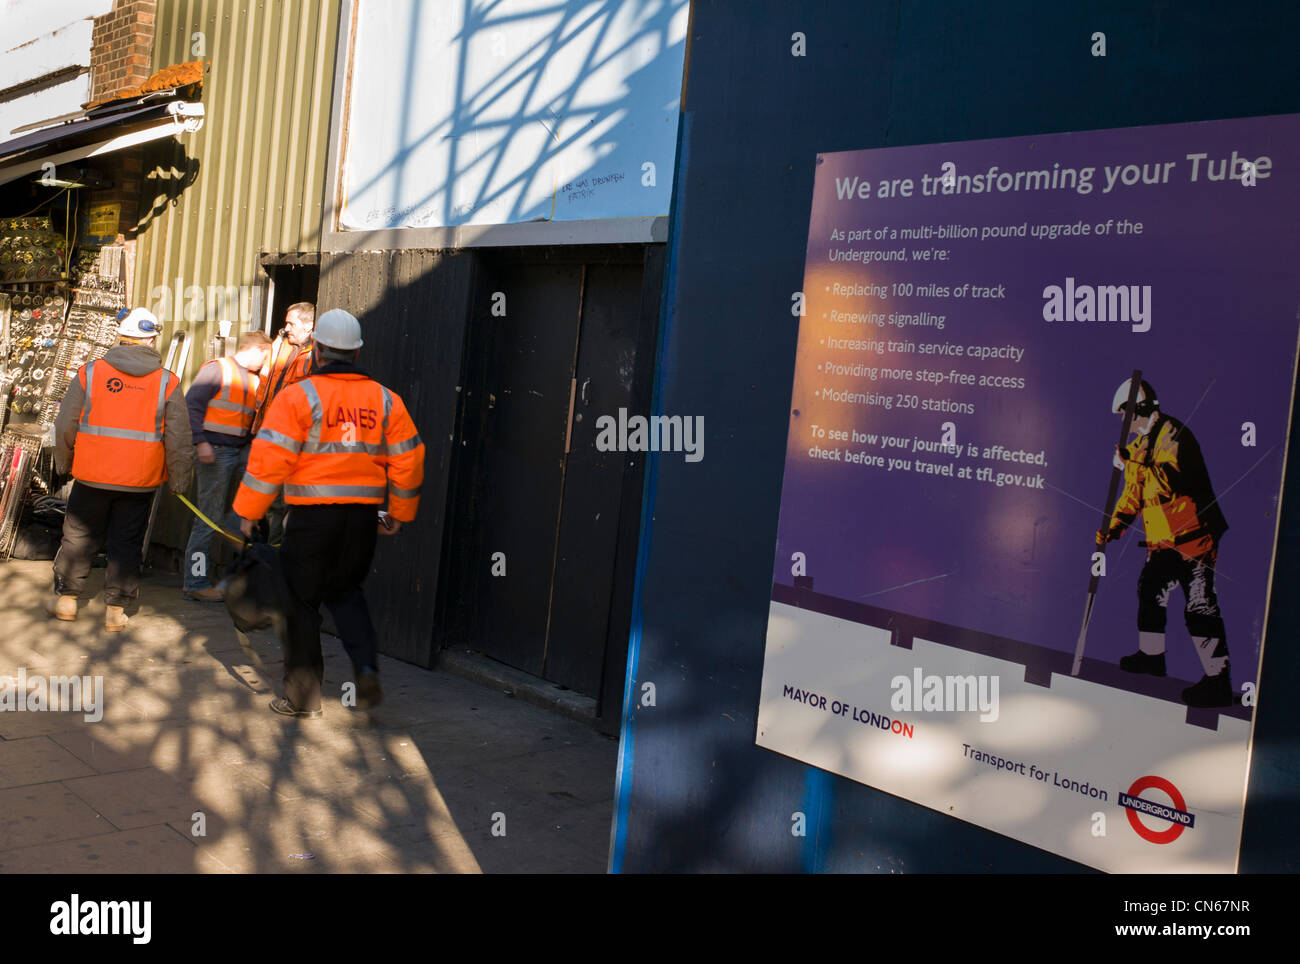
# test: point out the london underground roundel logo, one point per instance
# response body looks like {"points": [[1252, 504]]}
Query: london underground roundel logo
{"points": [[1176, 814], [115, 384]]}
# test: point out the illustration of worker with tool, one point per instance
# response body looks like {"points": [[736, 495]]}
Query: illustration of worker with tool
{"points": [[1165, 479]]}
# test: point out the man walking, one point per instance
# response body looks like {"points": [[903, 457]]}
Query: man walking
{"points": [[221, 404], [290, 360], [339, 444], [122, 430], [1165, 479]]}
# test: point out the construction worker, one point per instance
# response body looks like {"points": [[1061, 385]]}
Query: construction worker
{"points": [[1165, 479], [290, 360], [122, 430], [339, 444], [221, 403]]}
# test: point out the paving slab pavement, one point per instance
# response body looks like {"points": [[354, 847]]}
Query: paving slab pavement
{"points": [[188, 771]]}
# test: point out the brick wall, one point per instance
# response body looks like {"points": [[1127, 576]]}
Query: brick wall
{"points": [[122, 56], [122, 51]]}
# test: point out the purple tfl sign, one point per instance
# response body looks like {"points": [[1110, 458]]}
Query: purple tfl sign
{"points": [[1037, 431]]}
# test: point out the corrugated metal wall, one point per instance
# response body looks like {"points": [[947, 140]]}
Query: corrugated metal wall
{"points": [[260, 179], [251, 181]]}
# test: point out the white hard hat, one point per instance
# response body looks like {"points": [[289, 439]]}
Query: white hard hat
{"points": [[338, 329], [1145, 395], [139, 323]]}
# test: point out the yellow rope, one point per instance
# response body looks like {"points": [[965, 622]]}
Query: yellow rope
{"points": [[238, 540]]}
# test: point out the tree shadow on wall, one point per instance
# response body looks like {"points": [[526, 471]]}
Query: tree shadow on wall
{"points": [[506, 132]]}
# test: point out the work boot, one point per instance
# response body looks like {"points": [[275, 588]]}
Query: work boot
{"points": [[1141, 662], [1210, 691], [114, 619], [282, 706], [62, 607], [211, 594], [369, 693]]}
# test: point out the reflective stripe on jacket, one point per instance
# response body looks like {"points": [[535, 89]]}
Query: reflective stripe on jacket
{"points": [[120, 433], [231, 410], [337, 436]]}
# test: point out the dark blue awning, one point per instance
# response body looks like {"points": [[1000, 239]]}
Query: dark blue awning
{"points": [[97, 132]]}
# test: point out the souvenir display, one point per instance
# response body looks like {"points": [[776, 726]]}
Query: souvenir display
{"points": [[54, 325]]}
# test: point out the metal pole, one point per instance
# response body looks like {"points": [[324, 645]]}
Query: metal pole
{"points": [[1116, 474]]}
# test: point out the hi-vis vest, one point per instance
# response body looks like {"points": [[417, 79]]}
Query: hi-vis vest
{"points": [[120, 435], [285, 366], [231, 410], [335, 438]]}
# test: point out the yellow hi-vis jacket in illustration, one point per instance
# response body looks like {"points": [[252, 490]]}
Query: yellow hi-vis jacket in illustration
{"points": [[1165, 479]]}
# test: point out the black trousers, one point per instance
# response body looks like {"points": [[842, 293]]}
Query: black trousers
{"points": [[326, 556], [1167, 569], [93, 516]]}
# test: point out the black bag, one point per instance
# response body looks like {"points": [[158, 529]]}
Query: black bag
{"points": [[255, 593], [37, 541], [40, 529]]}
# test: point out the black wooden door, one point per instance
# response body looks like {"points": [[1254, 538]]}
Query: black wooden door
{"points": [[589, 517], [545, 523], [521, 471]]}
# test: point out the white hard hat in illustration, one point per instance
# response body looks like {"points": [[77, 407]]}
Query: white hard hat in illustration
{"points": [[1144, 404]]}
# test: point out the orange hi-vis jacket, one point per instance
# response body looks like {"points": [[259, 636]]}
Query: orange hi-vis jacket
{"points": [[231, 410], [337, 436], [120, 434], [285, 366]]}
